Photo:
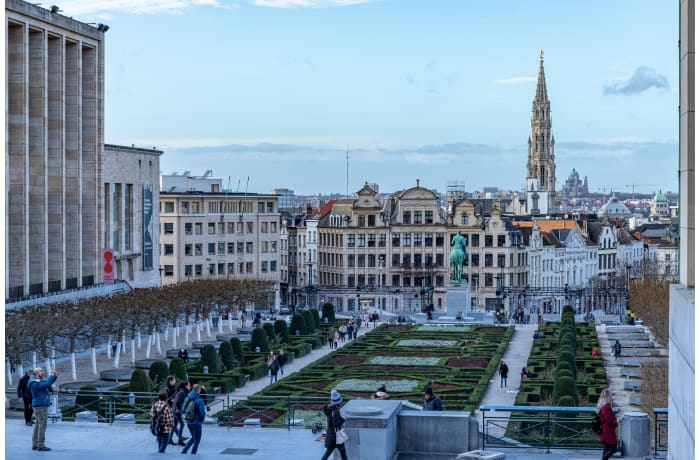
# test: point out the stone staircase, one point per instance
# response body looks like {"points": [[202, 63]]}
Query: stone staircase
{"points": [[624, 374]]}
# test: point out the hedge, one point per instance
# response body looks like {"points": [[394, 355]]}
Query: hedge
{"points": [[158, 373]]}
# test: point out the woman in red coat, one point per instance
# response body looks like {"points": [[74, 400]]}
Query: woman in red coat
{"points": [[608, 422]]}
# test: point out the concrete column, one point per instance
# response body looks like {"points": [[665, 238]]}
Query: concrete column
{"points": [[635, 434], [16, 161], [687, 144], [372, 428], [55, 163], [72, 135], [89, 166]]}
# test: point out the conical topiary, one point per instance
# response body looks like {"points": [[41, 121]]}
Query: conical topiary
{"points": [[226, 352], [140, 383], [177, 368], [309, 321], [270, 331], [158, 373], [259, 340], [210, 358], [298, 324], [237, 349], [317, 319], [282, 330], [328, 311]]}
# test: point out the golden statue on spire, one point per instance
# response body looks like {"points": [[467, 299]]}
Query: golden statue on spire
{"points": [[541, 55]]}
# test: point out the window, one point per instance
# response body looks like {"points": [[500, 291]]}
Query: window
{"points": [[167, 249], [169, 207], [211, 228], [475, 240], [371, 260], [428, 260], [351, 240], [488, 260], [360, 280], [249, 267], [239, 248], [371, 221], [194, 207], [395, 260], [439, 280], [168, 270], [360, 221], [263, 227], [407, 281], [231, 268], [417, 240], [239, 227], [188, 270], [198, 270], [417, 217], [439, 259], [198, 228], [263, 266], [406, 260], [417, 260], [220, 268], [351, 260], [502, 260], [488, 280], [168, 228], [407, 240], [211, 249], [428, 217], [395, 240], [501, 241], [407, 217], [360, 260], [188, 250], [475, 260], [464, 218], [185, 207], [230, 248], [475, 281], [382, 241], [488, 240], [439, 240], [249, 227], [273, 265], [273, 246], [212, 269], [371, 240], [351, 280], [188, 228], [221, 249], [395, 280], [428, 240], [261, 207], [220, 227], [198, 249], [270, 207], [263, 246], [249, 247], [273, 227], [361, 240], [371, 280], [229, 227]]}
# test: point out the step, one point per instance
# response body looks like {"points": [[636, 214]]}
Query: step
{"points": [[629, 385], [640, 352], [614, 329], [635, 400]]}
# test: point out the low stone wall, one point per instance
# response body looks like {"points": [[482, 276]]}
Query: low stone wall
{"points": [[436, 432]]}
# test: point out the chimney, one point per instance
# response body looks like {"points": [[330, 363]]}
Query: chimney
{"points": [[309, 209]]}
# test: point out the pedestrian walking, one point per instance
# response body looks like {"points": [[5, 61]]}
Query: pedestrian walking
{"points": [[41, 400], [330, 339], [281, 361], [272, 366], [243, 318], [25, 395], [503, 372], [162, 420], [335, 424], [350, 330], [336, 339], [178, 403], [617, 349], [608, 423], [194, 413], [431, 402]]}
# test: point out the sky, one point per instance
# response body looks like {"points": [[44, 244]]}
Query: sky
{"points": [[272, 92]]}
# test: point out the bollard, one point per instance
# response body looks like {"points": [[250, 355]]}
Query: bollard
{"points": [[132, 399], [205, 369], [297, 332], [257, 349], [635, 434]]}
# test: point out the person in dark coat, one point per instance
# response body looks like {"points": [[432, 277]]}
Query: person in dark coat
{"points": [[335, 423], [200, 413], [178, 406], [282, 360], [25, 395], [503, 372], [608, 423], [617, 349], [430, 401]]}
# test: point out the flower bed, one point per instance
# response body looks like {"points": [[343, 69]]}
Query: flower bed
{"points": [[433, 328], [392, 386], [404, 361], [427, 343]]}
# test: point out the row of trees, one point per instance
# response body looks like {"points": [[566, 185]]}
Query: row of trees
{"points": [[47, 330]]}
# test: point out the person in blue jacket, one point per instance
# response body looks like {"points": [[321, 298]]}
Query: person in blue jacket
{"points": [[41, 400], [195, 426]]}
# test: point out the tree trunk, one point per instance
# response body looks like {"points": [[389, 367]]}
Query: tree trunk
{"points": [[93, 358], [198, 326], [73, 370], [48, 365], [116, 356], [124, 341], [33, 360], [230, 321], [187, 335], [53, 357], [148, 346], [133, 351], [138, 339], [160, 353], [167, 332], [109, 347], [175, 331], [221, 324], [9, 371], [20, 370], [207, 327]]}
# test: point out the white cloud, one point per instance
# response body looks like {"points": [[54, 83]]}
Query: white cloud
{"points": [[515, 80], [102, 7], [308, 3]]}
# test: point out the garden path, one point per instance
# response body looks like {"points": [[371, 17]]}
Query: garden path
{"points": [[516, 356]]}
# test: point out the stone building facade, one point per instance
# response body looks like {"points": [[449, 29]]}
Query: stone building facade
{"points": [[131, 188], [54, 99]]}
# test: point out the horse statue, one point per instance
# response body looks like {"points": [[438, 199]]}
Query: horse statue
{"points": [[458, 254]]}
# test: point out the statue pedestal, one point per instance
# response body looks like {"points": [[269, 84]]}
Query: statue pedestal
{"points": [[457, 299]]}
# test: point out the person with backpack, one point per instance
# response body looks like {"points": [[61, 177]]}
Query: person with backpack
{"points": [[193, 413], [178, 403], [608, 424], [162, 420], [335, 424]]}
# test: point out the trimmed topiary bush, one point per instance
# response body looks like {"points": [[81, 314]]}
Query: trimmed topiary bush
{"points": [[140, 383], [328, 311], [298, 324], [282, 330], [210, 358], [158, 372], [565, 386], [177, 368], [309, 322], [226, 352], [317, 319], [270, 331], [237, 349], [259, 339]]}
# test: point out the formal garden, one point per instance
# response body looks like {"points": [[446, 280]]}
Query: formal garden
{"points": [[457, 361]]}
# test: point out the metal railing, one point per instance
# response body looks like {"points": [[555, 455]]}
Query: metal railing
{"points": [[541, 427], [660, 429]]}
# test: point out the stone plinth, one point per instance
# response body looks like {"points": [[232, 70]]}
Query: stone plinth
{"points": [[86, 416], [457, 300], [124, 419], [481, 455], [117, 375], [635, 434], [372, 428], [417, 432]]}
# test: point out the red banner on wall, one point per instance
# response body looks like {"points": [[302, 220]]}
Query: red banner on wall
{"points": [[107, 265]]}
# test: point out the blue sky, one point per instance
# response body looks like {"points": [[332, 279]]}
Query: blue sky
{"points": [[275, 90]]}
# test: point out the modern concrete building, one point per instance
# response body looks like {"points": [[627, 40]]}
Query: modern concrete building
{"points": [[54, 102], [205, 234], [131, 187]]}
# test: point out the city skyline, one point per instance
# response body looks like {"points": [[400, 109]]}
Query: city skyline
{"points": [[275, 91]]}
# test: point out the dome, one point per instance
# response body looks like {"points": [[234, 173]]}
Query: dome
{"points": [[574, 173], [613, 208], [660, 197]]}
